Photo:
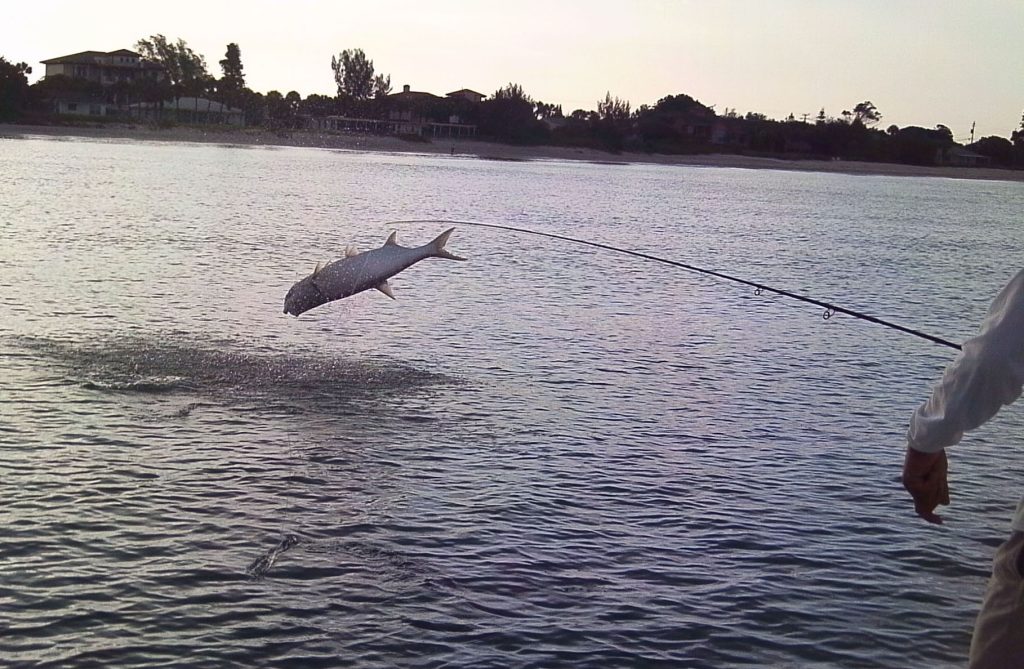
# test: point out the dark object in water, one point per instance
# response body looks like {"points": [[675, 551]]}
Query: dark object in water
{"points": [[263, 563]]}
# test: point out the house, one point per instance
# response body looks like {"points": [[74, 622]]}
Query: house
{"points": [[695, 126], [103, 68], [95, 77], [187, 110], [415, 113], [409, 100], [961, 157], [467, 95], [409, 112]]}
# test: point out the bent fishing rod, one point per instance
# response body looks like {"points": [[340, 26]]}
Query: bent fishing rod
{"points": [[759, 288]]}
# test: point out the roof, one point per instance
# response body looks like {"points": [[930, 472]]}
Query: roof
{"points": [[96, 57], [963, 152], [413, 95], [466, 90], [81, 57]]}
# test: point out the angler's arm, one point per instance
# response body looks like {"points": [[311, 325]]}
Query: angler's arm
{"points": [[972, 390], [986, 376]]}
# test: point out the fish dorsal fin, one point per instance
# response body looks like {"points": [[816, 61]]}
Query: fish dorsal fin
{"points": [[351, 251], [385, 288], [391, 240], [316, 270]]}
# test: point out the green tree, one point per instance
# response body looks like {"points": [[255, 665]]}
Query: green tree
{"points": [[866, 113], [254, 105], [231, 66], [282, 109], [318, 105], [512, 92], [676, 124], [14, 89], [509, 116], [613, 122], [543, 110], [920, 146], [277, 108], [998, 149], [292, 101], [159, 50], [233, 80], [186, 70], [353, 73], [613, 109], [381, 86], [1017, 137]]}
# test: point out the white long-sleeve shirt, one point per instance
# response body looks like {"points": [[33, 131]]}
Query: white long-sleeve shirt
{"points": [[985, 377]]}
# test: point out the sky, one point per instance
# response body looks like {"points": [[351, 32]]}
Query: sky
{"points": [[921, 62]]}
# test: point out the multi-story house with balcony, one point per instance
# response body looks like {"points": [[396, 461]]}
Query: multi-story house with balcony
{"points": [[107, 72]]}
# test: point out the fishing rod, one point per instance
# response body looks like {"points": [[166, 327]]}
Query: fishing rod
{"points": [[830, 309]]}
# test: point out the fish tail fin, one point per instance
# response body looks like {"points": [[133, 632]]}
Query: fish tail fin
{"points": [[437, 246]]}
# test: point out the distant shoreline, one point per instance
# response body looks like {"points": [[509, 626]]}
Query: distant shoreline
{"points": [[464, 148]]}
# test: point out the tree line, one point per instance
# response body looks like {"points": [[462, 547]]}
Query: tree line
{"points": [[676, 124]]}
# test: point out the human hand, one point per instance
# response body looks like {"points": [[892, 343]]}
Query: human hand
{"points": [[924, 477]]}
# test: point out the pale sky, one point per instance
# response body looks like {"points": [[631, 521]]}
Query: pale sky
{"points": [[922, 62]]}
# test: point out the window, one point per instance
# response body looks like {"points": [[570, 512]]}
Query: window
{"points": [[72, 106]]}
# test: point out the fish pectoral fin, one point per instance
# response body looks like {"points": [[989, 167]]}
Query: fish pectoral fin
{"points": [[392, 241], [351, 251], [385, 288], [316, 270]]}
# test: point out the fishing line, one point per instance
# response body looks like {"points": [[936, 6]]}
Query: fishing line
{"points": [[830, 309]]}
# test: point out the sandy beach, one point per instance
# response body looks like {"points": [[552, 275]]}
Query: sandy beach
{"points": [[489, 150]]}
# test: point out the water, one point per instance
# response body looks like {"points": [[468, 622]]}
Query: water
{"points": [[546, 456]]}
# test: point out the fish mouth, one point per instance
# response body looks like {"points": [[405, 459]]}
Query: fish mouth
{"points": [[300, 308], [303, 296]]}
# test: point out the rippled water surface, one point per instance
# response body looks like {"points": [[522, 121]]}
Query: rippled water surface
{"points": [[549, 455]]}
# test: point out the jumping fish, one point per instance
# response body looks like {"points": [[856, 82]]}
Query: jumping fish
{"points": [[357, 272]]}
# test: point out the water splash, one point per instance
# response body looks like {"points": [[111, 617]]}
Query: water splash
{"points": [[153, 384], [230, 371]]}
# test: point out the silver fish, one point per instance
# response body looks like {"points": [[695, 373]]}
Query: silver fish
{"points": [[357, 272]]}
